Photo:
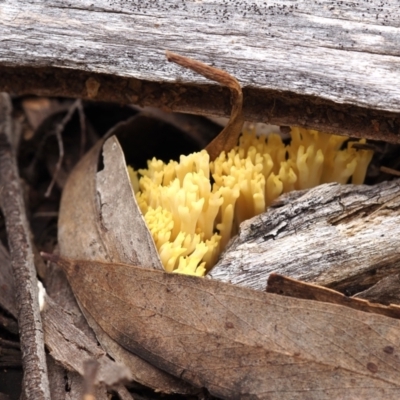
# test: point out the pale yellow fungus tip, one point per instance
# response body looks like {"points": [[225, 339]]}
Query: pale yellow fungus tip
{"points": [[193, 207]]}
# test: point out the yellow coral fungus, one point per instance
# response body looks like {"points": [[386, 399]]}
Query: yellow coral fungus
{"points": [[193, 207]]}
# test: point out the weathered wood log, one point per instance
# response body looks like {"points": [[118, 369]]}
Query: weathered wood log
{"points": [[323, 65], [341, 236]]}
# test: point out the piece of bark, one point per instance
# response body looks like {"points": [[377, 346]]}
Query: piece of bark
{"points": [[340, 236], [76, 386], [57, 379], [386, 291], [58, 289], [113, 231], [64, 383], [69, 385], [36, 383], [72, 348], [285, 286], [239, 342], [7, 300], [123, 228]]}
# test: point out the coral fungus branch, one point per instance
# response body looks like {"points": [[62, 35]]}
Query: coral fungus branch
{"points": [[194, 206]]}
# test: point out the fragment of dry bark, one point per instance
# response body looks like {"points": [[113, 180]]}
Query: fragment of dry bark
{"points": [[386, 291], [36, 383], [67, 384], [114, 231], [72, 348], [240, 342], [301, 290], [341, 236]]}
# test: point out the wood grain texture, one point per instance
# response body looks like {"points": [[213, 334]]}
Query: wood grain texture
{"points": [[343, 51], [340, 236], [338, 51]]}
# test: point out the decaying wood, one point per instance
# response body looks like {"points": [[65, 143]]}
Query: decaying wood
{"points": [[72, 348], [36, 384], [290, 287], [64, 383], [113, 231], [236, 341], [386, 291], [341, 236], [319, 64]]}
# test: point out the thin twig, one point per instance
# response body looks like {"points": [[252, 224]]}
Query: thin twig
{"points": [[36, 383], [58, 133], [228, 138], [390, 171], [82, 123]]}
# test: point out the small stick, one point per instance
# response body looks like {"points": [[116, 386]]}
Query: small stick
{"points": [[82, 123], [36, 383], [77, 105], [229, 136], [390, 171]]}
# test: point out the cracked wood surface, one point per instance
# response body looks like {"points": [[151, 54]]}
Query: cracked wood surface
{"points": [[319, 64], [341, 236]]}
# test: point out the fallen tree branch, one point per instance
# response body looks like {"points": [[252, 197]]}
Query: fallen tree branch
{"points": [[36, 385]]}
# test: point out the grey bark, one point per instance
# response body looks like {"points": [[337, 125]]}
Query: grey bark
{"points": [[36, 384], [340, 51], [315, 64], [341, 236]]}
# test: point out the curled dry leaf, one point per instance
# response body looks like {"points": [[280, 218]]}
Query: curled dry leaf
{"points": [[99, 220], [238, 342]]}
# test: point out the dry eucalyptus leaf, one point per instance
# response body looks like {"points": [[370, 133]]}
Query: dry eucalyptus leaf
{"points": [[98, 221], [238, 342], [341, 236]]}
